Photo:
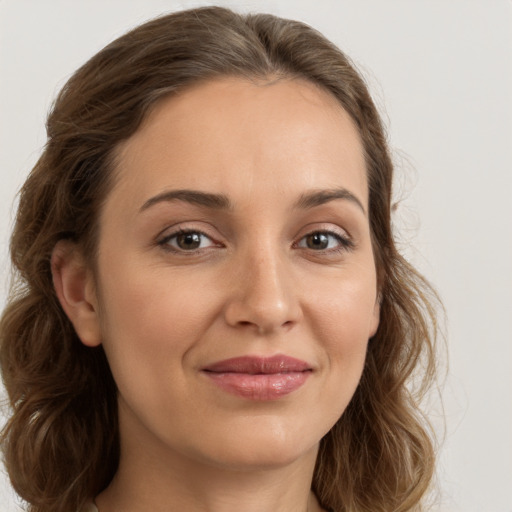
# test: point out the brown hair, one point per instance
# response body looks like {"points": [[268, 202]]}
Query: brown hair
{"points": [[61, 444]]}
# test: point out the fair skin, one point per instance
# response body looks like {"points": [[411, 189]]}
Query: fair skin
{"points": [[275, 261]]}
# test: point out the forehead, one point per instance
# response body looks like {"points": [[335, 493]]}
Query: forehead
{"points": [[243, 138]]}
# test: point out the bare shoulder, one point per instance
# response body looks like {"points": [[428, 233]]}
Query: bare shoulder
{"points": [[89, 507]]}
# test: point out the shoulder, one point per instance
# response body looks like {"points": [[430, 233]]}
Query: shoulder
{"points": [[89, 507]]}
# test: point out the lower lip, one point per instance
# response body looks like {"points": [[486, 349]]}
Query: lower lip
{"points": [[260, 387]]}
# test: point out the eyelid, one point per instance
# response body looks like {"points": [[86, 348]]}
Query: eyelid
{"points": [[346, 243], [192, 225], [169, 233]]}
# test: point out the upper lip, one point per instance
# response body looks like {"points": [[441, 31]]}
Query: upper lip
{"points": [[259, 365]]}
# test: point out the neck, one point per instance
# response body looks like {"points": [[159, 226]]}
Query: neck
{"points": [[141, 485], [154, 477]]}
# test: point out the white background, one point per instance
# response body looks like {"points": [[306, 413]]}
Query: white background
{"points": [[441, 73]]}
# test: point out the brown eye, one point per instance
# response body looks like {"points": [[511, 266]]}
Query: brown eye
{"points": [[317, 241], [187, 241], [325, 241]]}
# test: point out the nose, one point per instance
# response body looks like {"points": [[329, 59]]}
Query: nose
{"points": [[263, 296]]}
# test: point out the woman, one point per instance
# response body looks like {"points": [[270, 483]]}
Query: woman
{"points": [[210, 312]]}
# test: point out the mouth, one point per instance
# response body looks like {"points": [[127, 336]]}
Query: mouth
{"points": [[259, 378]]}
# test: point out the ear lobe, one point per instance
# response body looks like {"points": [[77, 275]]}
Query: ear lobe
{"points": [[74, 285]]}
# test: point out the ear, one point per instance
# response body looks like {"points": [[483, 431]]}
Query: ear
{"points": [[375, 320], [74, 285]]}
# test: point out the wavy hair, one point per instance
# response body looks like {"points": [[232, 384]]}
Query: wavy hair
{"points": [[61, 443]]}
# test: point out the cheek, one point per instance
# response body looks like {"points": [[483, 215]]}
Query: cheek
{"points": [[151, 323], [345, 339], [343, 322], [153, 300], [151, 320], [344, 307]]}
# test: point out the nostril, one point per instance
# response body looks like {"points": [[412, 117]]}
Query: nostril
{"points": [[253, 309], [263, 327]]}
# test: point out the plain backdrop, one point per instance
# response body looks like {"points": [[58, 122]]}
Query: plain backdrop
{"points": [[441, 74]]}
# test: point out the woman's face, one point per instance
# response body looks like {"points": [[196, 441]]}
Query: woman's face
{"points": [[236, 282]]}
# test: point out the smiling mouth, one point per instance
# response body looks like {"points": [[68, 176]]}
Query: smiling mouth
{"points": [[259, 378]]}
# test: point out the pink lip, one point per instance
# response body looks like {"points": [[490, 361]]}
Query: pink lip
{"points": [[259, 378]]}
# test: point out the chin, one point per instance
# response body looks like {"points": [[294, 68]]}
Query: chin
{"points": [[265, 446], [262, 459]]}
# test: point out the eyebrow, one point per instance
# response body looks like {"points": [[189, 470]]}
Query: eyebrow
{"points": [[214, 201], [320, 197], [222, 202]]}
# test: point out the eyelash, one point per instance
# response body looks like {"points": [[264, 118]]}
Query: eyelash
{"points": [[344, 242], [164, 242]]}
